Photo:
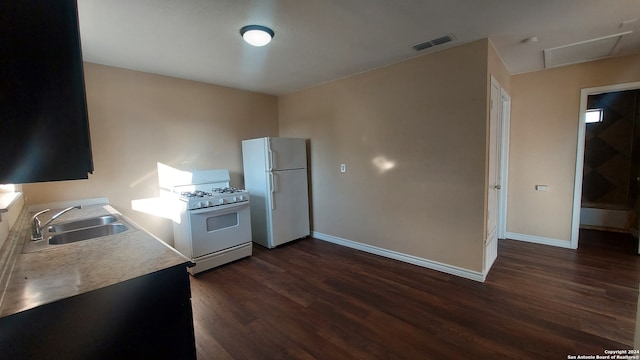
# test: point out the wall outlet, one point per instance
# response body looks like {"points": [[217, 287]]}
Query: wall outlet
{"points": [[543, 188], [343, 168]]}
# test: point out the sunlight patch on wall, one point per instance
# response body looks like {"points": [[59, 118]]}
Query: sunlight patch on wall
{"points": [[165, 205], [383, 164], [169, 177]]}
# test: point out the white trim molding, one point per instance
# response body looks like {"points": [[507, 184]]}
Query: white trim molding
{"points": [[426, 263], [539, 240], [505, 131]]}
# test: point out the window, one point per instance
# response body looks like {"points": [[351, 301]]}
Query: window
{"points": [[593, 116]]}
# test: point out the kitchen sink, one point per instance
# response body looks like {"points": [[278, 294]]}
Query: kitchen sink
{"points": [[84, 223], [87, 233], [78, 230]]}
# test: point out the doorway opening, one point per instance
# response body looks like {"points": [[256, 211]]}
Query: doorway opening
{"points": [[607, 185]]}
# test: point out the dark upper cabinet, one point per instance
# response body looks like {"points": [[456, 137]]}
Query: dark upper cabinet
{"points": [[44, 128]]}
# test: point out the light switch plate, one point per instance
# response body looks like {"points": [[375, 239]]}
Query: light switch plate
{"points": [[543, 188]]}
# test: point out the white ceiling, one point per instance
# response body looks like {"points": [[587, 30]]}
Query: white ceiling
{"points": [[317, 41]]}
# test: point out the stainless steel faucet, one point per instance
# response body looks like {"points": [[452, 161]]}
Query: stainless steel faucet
{"points": [[36, 228]]}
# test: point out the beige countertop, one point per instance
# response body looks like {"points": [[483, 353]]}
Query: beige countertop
{"points": [[37, 278]]}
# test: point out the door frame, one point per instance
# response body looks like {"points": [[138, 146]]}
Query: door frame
{"points": [[582, 126], [503, 124]]}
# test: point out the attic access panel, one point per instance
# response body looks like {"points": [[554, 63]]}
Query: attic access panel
{"points": [[582, 51]]}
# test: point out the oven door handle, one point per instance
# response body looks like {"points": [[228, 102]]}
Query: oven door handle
{"points": [[220, 207]]}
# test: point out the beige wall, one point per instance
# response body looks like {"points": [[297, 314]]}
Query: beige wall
{"points": [[544, 131], [426, 118], [138, 119]]}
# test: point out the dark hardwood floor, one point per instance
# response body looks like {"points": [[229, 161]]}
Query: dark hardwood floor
{"points": [[316, 300]]}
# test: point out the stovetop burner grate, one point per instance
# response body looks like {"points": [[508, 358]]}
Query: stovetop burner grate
{"points": [[197, 193], [213, 192], [227, 190]]}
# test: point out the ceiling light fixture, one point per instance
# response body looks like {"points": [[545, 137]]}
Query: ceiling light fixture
{"points": [[257, 35]]}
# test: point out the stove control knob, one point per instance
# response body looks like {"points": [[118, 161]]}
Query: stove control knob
{"points": [[240, 198], [220, 201], [198, 205], [234, 199], [206, 203]]}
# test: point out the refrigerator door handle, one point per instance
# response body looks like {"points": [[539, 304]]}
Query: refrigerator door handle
{"points": [[273, 190], [270, 154]]}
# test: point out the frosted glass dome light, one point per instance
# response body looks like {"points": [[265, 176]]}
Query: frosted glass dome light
{"points": [[257, 35]]}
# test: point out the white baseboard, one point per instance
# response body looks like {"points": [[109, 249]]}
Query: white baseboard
{"points": [[539, 240], [429, 264]]}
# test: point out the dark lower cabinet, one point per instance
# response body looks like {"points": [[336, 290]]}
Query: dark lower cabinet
{"points": [[149, 317]]}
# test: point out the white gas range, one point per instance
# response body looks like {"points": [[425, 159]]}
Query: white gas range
{"points": [[214, 224]]}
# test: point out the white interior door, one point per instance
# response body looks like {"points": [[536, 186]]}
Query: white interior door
{"points": [[491, 243]]}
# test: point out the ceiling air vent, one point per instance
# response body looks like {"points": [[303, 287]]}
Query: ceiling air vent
{"points": [[435, 42]]}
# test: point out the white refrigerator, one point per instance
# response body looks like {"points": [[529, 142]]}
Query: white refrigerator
{"points": [[275, 174]]}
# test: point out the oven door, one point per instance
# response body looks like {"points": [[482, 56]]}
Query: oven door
{"points": [[220, 227]]}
